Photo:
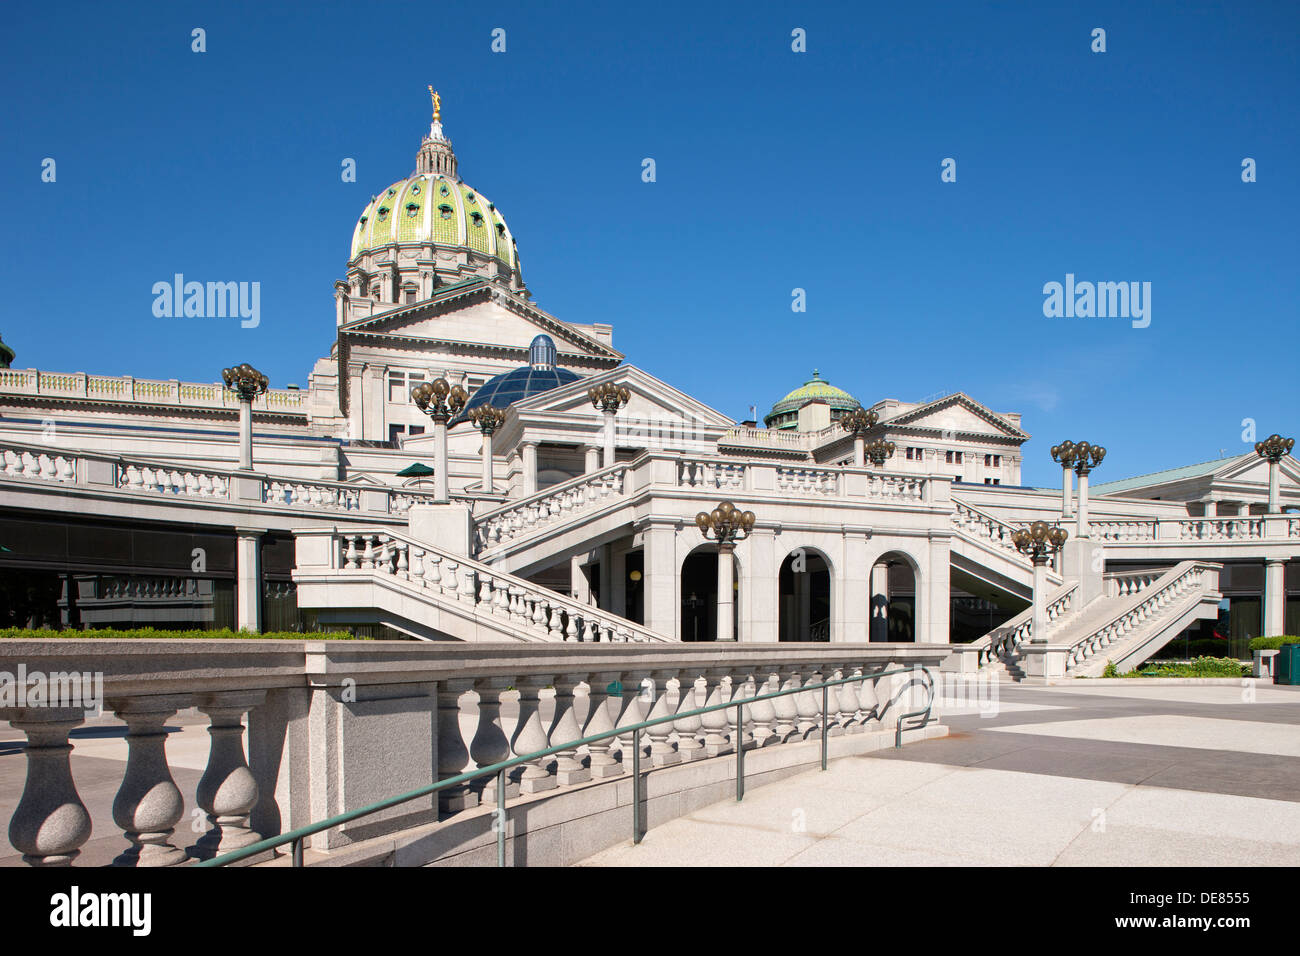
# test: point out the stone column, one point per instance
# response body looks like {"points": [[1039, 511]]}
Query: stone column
{"points": [[1067, 492], [1081, 530], [859, 450], [1038, 633], [659, 554], [608, 457], [487, 462], [1274, 597], [50, 823], [227, 790], [245, 435], [453, 755], [592, 459], [148, 804], [441, 488], [579, 586], [726, 592], [528, 456], [248, 580], [1274, 487]]}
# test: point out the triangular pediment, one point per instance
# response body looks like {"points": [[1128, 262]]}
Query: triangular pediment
{"points": [[480, 315], [958, 414], [650, 398], [1252, 469]]}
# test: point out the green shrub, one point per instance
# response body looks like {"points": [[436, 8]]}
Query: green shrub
{"points": [[1271, 643], [1111, 670], [1200, 667], [149, 633]]}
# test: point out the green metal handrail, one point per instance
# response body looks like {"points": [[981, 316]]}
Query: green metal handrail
{"points": [[297, 836]]}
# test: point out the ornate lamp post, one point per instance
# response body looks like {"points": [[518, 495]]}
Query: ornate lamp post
{"points": [[249, 383], [1063, 454], [877, 450], [1040, 541], [440, 401], [1086, 458], [1274, 448], [726, 525], [487, 420], [858, 422], [609, 398]]}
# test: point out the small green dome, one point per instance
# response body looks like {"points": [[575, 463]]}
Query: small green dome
{"points": [[433, 208], [785, 413]]}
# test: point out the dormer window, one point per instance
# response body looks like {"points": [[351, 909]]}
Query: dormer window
{"points": [[415, 189], [412, 209], [445, 211], [383, 213], [469, 197], [477, 218], [443, 190], [501, 230]]}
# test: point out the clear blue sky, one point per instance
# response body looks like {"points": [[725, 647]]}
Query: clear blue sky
{"points": [[775, 171]]}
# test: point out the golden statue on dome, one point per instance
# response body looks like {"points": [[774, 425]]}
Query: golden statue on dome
{"points": [[437, 105]]}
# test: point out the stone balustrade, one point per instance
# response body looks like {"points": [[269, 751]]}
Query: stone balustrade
{"points": [[1126, 583], [1114, 531], [487, 599], [724, 476], [982, 526], [1221, 529], [335, 725], [551, 506], [36, 463], [145, 391]]}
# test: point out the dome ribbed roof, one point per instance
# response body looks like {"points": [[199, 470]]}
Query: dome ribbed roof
{"points": [[816, 389], [505, 389]]}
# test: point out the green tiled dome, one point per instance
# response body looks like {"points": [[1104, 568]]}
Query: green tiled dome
{"points": [[785, 413], [430, 207]]}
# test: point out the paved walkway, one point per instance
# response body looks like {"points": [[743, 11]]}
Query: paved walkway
{"points": [[1082, 775]]}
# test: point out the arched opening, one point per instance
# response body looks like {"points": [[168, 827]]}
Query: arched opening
{"points": [[700, 596], [805, 596], [893, 599]]}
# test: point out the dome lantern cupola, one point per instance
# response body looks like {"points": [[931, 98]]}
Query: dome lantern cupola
{"points": [[435, 156]]}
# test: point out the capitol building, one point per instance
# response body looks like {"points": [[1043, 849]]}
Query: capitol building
{"points": [[462, 465]]}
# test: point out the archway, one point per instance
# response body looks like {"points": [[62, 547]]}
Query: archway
{"points": [[893, 598], [804, 596], [699, 579]]}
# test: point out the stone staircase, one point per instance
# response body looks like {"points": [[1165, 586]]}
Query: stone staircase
{"points": [[1137, 614], [385, 577]]}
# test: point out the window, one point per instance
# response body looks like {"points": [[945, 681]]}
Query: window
{"points": [[992, 461], [952, 457], [914, 454], [400, 383], [992, 481]]}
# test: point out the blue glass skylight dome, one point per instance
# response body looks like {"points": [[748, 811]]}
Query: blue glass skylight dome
{"points": [[541, 374]]}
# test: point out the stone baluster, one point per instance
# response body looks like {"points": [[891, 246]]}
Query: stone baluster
{"points": [[808, 704], [715, 724], [848, 705], [556, 629], [417, 566], [433, 572], [227, 790], [662, 753], [50, 823], [786, 709], [589, 632], [564, 727], [450, 584], [466, 590], [501, 598], [867, 702], [453, 755], [530, 735], [485, 592], [742, 686], [490, 744], [148, 804], [571, 627], [635, 692], [763, 711], [689, 746], [599, 721]]}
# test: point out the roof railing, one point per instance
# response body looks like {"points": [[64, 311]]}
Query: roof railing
{"points": [[297, 836]]}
